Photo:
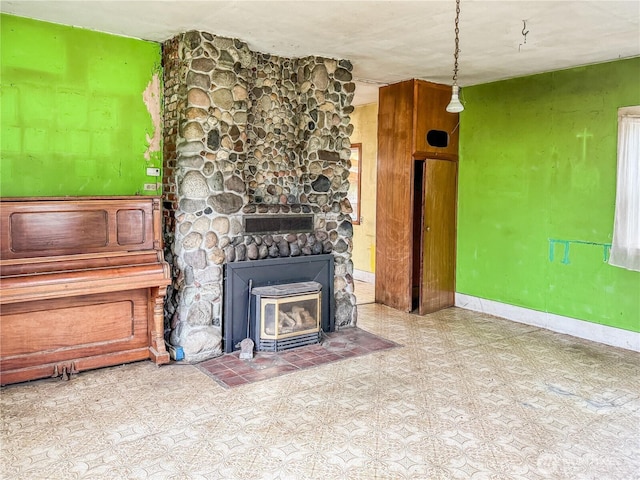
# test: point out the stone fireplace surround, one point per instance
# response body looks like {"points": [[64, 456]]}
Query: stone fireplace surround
{"points": [[249, 134]]}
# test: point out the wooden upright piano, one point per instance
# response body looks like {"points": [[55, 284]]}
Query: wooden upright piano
{"points": [[82, 284]]}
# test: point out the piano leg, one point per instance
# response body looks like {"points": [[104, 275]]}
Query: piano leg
{"points": [[157, 349]]}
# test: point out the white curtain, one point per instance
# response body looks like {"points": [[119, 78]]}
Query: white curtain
{"points": [[625, 248]]}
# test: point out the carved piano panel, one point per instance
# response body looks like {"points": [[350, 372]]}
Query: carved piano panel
{"points": [[46, 227], [82, 283]]}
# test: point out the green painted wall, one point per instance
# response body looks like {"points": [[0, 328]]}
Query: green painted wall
{"points": [[537, 192], [73, 118]]}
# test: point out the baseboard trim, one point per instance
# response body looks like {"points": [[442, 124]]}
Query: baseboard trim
{"points": [[615, 337], [364, 276]]}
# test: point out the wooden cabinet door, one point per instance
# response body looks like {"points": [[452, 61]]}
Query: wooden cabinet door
{"points": [[438, 236]]}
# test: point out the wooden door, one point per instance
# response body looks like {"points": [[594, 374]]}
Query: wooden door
{"points": [[438, 236]]}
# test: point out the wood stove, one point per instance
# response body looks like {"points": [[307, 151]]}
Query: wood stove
{"points": [[243, 281], [287, 315]]}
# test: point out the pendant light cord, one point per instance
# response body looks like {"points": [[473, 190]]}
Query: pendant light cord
{"points": [[457, 49], [455, 106]]}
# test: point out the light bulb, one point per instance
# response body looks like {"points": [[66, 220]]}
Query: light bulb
{"points": [[454, 105]]}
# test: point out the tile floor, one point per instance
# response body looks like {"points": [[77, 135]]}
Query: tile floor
{"points": [[467, 396]]}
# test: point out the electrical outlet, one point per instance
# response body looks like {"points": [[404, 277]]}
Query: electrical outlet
{"points": [[150, 187], [153, 172]]}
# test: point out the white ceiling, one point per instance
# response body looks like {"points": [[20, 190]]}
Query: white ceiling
{"points": [[387, 41]]}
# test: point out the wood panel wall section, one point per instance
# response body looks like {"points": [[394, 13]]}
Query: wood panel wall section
{"points": [[406, 112], [393, 212]]}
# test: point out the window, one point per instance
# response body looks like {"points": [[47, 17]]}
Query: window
{"points": [[625, 248], [354, 182]]}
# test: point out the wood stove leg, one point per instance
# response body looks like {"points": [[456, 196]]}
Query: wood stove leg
{"points": [[157, 348]]}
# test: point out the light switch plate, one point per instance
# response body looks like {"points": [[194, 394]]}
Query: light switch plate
{"points": [[153, 172]]}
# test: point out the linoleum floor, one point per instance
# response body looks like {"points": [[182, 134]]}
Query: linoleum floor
{"points": [[465, 396]]}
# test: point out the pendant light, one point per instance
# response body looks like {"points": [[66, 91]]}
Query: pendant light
{"points": [[454, 105]]}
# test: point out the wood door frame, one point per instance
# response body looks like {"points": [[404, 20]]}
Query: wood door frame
{"points": [[358, 209]]}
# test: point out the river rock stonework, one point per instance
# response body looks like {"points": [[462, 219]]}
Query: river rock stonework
{"points": [[249, 133]]}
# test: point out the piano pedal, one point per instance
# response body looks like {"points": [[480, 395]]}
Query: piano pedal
{"points": [[67, 371]]}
